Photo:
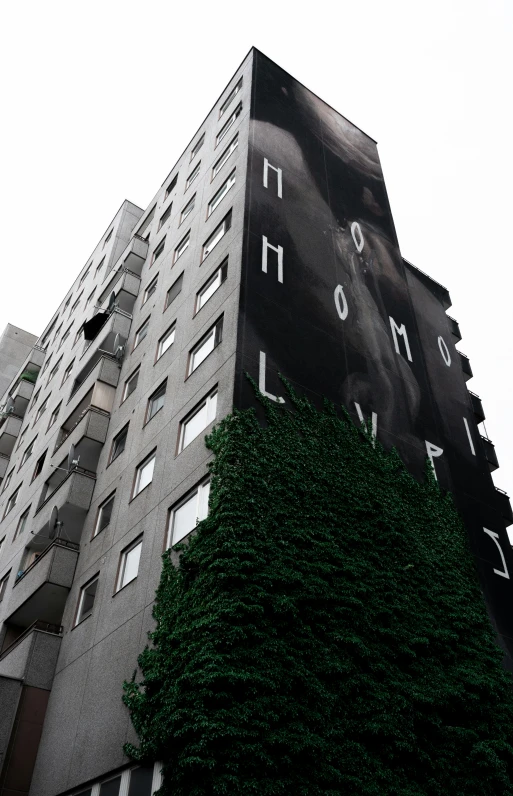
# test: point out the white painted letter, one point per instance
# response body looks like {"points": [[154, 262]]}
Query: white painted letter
{"points": [[278, 171], [402, 331], [469, 437], [433, 451], [444, 351], [374, 421], [261, 382], [495, 537], [358, 239], [279, 252], [342, 310]]}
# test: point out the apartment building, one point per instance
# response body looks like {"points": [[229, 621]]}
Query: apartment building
{"points": [[269, 248]]}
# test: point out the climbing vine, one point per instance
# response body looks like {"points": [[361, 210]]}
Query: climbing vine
{"points": [[324, 631]]}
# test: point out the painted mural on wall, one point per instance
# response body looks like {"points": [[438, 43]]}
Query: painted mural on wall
{"points": [[328, 301]]}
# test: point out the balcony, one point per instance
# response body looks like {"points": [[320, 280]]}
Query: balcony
{"points": [[21, 396], [85, 429], [102, 378], [504, 506], [10, 426], [455, 329], [32, 656], [134, 256], [4, 463], [71, 492], [126, 286], [117, 323], [465, 366], [491, 456], [477, 407], [40, 591]]}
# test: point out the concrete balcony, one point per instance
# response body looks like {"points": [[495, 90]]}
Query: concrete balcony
{"points": [[477, 407], [35, 359], [10, 426], [86, 429], [101, 379], [32, 657], [455, 329], [21, 396], [135, 254], [126, 286], [491, 456], [117, 323], [71, 492], [465, 366], [40, 591], [504, 506], [4, 463]]}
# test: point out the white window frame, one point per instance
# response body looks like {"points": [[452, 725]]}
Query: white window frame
{"points": [[221, 193], [20, 526], [139, 470], [200, 494], [121, 431], [214, 336], [67, 373], [182, 246], [216, 236], [97, 529], [218, 165], [209, 403], [222, 272], [187, 209], [152, 284], [42, 409], [3, 584], [143, 327], [168, 302], [54, 415], [171, 186], [120, 580], [197, 146], [81, 597], [133, 375], [192, 176], [156, 394], [231, 96], [7, 480], [27, 453], [165, 337], [164, 217], [12, 501], [231, 121], [158, 250], [36, 472]]}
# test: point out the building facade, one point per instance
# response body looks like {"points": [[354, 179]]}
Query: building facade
{"points": [[269, 249]]}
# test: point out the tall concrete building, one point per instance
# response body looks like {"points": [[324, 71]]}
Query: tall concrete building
{"points": [[269, 248]]}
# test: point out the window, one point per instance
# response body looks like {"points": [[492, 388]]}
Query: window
{"points": [[233, 118], [84, 276], [22, 524], [158, 251], [90, 297], [28, 452], [2, 542], [192, 176], [104, 515], [141, 332], [99, 267], [221, 193], [171, 185], [216, 236], [54, 415], [150, 290], [118, 444], [156, 401], [144, 474], [67, 303], [174, 291], [39, 466], [86, 600], [184, 518], [66, 334], [205, 346], [182, 246], [198, 420], [41, 409], [57, 333], [67, 372], [3, 585], [47, 362], [78, 335], [231, 96], [129, 564], [218, 165], [7, 480], [75, 305], [164, 217], [211, 285], [145, 228], [109, 236], [167, 340], [187, 210], [54, 370], [130, 385], [141, 781], [196, 148], [111, 787], [12, 501], [34, 401], [21, 437]]}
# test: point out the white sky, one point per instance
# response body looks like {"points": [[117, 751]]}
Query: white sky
{"points": [[100, 99]]}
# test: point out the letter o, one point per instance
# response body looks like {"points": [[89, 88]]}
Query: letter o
{"points": [[342, 310], [444, 351], [359, 243]]}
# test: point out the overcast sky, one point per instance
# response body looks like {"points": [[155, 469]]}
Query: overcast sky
{"points": [[100, 99]]}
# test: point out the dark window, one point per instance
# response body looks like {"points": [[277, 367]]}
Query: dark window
{"points": [[118, 444], [39, 465], [164, 217], [140, 781], [156, 401], [104, 515], [158, 251], [174, 291], [110, 788], [171, 185]]}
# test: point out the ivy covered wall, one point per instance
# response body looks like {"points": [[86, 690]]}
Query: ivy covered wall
{"points": [[324, 632]]}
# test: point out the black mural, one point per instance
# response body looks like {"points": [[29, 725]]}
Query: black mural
{"points": [[328, 301]]}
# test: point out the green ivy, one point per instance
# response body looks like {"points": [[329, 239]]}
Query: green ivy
{"points": [[324, 631]]}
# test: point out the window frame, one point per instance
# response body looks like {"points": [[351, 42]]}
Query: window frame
{"points": [[138, 542], [217, 330], [225, 156], [21, 519], [151, 457], [164, 217], [126, 395], [9, 506], [168, 302], [77, 618], [231, 96], [192, 176], [4, 582], [38, 468], [226, 224], [55, 415], [42, 409], [96, 529], [228, 124], [68, 371], [114, 442], [182, 247], [153, 283], [167, 333], [171, 186], [189, 207], [218, 197], [157, 251], [205, 402], [27, 453], [137, 338], [195, 491], [223, 269], [197, 146], [157, 393]]}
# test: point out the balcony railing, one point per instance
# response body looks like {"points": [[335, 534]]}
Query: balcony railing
{"points": [[45, 627], [465, 366], [455, 329], [56, 543], [491, 456], [126, 285], [477, 407]]}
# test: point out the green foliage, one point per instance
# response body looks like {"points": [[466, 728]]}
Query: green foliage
{"points": [[29, 375], [324, 631]]}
